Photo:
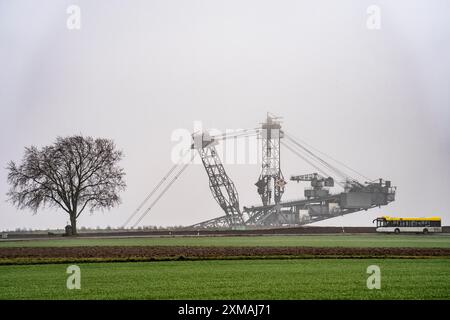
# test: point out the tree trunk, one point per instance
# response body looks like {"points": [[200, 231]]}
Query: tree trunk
{"points": [[73, 223]]}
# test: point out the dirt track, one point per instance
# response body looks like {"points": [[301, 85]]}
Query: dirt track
{"points": [[174, 252], [144, 233]]}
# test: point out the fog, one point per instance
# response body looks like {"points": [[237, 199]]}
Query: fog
{"points": [[137, 71]]}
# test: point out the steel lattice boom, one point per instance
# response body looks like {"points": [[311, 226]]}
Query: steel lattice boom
{"points": [[222, 188]]}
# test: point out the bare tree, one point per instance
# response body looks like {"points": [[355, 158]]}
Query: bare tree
{"points": [[74, 173]]}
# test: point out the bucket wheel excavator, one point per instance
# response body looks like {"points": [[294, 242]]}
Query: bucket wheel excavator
{"points": [[321, 200]]}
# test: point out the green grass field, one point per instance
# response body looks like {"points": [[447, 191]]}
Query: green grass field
{"points": [[427, 278], [245, 279], [375, 240]]}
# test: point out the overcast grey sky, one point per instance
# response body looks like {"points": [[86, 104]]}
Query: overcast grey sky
{"points": [[378, 100]]}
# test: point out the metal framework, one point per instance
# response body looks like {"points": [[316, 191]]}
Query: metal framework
{"points": [[221, 186], [356, 198], [318, 202], [216, 223], [270, 185]]}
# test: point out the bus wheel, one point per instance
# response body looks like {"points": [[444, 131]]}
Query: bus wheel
{"points": [[425, 231], [397, 231]]}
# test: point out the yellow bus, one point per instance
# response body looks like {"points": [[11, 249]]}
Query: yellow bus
{"points": [[417, 225]]}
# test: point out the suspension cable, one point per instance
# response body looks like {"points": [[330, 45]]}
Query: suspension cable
{"points": [[241, 134], [304, 158], [330, 157], [326, 164], [309, 162], [155, 189], [164, 191]]}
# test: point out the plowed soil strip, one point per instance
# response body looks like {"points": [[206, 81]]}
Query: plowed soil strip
{"points": [[174, 252]]}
